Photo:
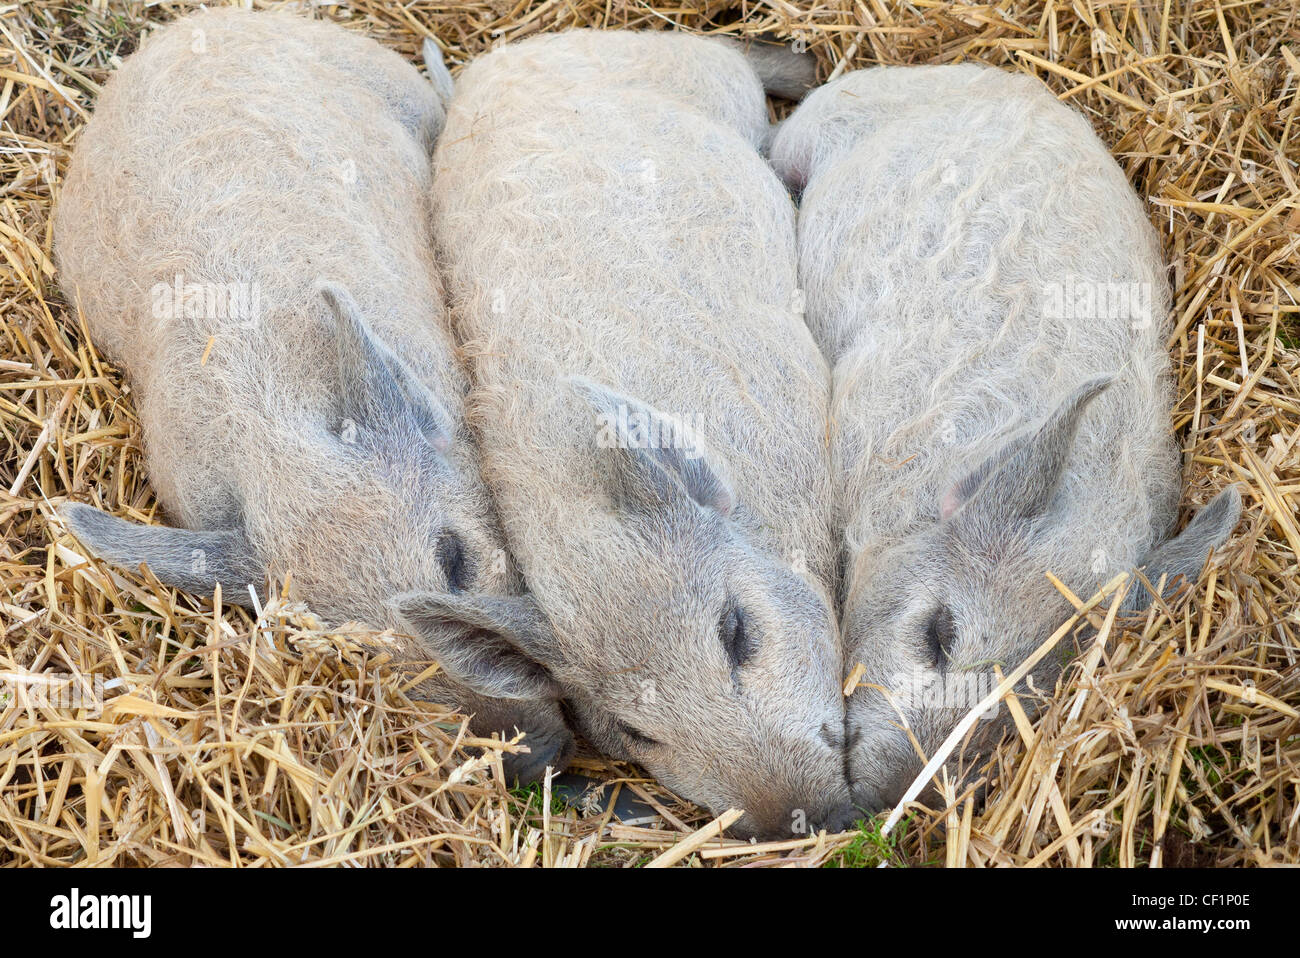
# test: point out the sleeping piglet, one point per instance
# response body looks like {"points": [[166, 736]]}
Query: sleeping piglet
{"points": [[244, 228], [991, 297], [651, 412]]}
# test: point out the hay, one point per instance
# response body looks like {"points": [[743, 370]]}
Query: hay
{"points": [[225, 738]]}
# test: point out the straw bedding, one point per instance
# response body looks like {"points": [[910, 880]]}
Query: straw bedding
{"points": [[226, 737]]}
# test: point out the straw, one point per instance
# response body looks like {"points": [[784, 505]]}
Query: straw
{"points": [[227, 740]]}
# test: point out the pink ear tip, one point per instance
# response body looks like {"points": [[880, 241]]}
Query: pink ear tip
{"points": [[947, 505]]}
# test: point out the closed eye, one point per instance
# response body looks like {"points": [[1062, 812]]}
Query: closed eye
{"points": [[455, 563], [738, 639], [940, 636], [640, 738]]}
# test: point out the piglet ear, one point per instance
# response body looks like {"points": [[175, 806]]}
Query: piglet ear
{"points": [[378, 391], [960, 492], [653, 459], [436, 67], [493, 645], [1181, 559], [188, 559], [1020, 479]]}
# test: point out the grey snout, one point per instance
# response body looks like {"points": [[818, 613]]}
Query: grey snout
{"points": [[867, 800], [554, 749], [785, 822], [882, 765], [840, 818]]}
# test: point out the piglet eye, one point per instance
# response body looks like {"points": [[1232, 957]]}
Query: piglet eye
{"points": [[640, 738], [940, 636], [455, 562], [737, 639]]}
